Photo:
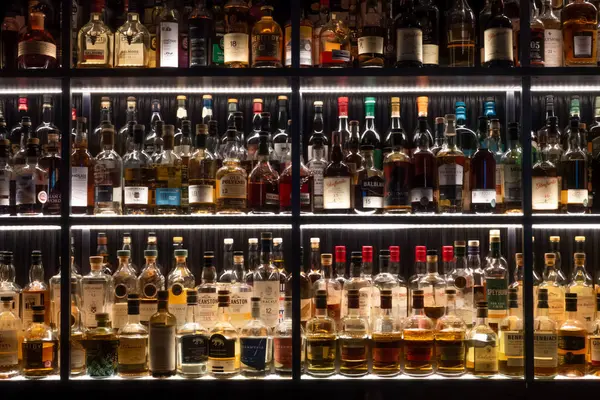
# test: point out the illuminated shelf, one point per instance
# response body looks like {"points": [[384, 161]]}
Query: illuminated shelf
{"points": [[567, 221], [181, 221], [42, 222], [409, 221]]}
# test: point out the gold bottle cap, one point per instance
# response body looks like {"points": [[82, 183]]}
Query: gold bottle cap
{"points": [[519, 258], [207, 97], [96, 261], [396, 100], [177, 239], [326, 259], [440, 120], [580, 238], [255, 101], [231, 100], [181, 98], [282, 97]]}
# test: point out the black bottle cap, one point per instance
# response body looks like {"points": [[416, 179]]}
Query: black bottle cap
{"points": [[162, 295]]}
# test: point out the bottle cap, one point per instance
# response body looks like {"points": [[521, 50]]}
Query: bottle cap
{"points": [[150, 253], [367, 253], [395, 254], [340, 253], [123, 253], [447, 253], [420, 253], [181, 253]]}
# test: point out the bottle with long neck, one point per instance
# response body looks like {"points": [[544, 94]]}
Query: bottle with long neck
{"points": [[370, 136], [267, 281], [318, 129], [395, 127], [572, 340], [337, 181], [450, 173], [574, 173], [343, 127], [482, 355], [545, 343]]}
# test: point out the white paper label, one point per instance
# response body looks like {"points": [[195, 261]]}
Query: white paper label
{"points": [[9, 355], [545, 350], [512, 182], [372, 202], [30, 299], [416, 195], [130, 54], [499, 183], [545, 193], [94, 301], [179, 311], [553, 48], [201, 194], [147, 309], [136, 195], [169, 43], [483, 196], [513, 345], [79, 181], [595, 349], [336, 193], [236, 47], [4, 189], [281, 149], [119, 315], [240, 308], [268, 291], [582, 45], [370, 45], [577, 196], [95, 51], [498, 44], [208, 306], [233, 186], [409, 45], [450, 174], [431, 54]]}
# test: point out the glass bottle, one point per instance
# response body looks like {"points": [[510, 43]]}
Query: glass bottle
{"points": [[263, 181], [353, 339], [153, 140], [137, 191], [461, 34], [482, 357], [370, 136], [334, 44], [321, 340], [386, 280], [31, 182], [101, 348], [95, 288], [192, 342], [433, 287], [511, 160], [282, 342], [108, 173], [267, 41], [421, 193], [201, 27], [369, 184], [10, 330], [208, 303], [386, 338], [232, 178], [162, 340], [337, 181], [149, 282], [357, 280], [36, 292], [224, 343], [496, 282], [409, 37], [483, 178], [50, 162], [545, 361], [241, 292], [266, 282], [317, 165], [180, 279], [418, 338], [574, 173], [397, 169], [462, 280], [37, 47], [133, 343], [8, 286], [6, 178], [572, 341], [124, 283], [167, 168], [333, 288], [450, 340], [201, 175], [429, 16], [582, 286], [555, 293], [511, 360], [95, 41], [546, 182], [394, 127], [579, 19], [237, 36], [372, 36], [256, 345], [450, 172], [167, 51], [498, 38], [132, 44], [39, 347], [306, 291], [47, 126]]}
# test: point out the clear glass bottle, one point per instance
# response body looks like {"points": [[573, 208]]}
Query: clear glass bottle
{"points": [[545, 340], [555, 292], [356, 280], [8, 286], [266, 282], [202, 169], [167, 167], [54, 289], [450, 173], [208, 302], [418, 339], [263, 181], [572, 341], [461, 34], [594, 345], [96, 289], [101, 345], [162, 340], [420, 271], [124, 283], [409, 37], [511, 350], [232, 186], [180, 279], [582, 286], [434, 288], [241, 292], [149, 282], [282, 342], [192, 342], [369, 184], [95, 41], [321, 340], [31, 182], [461, 278], [553, 40], [36, 292], [224, 343], [450, 340], [482, 356], [333, 288], [386, 338], [133, 343], [39, 338], [256, 345], [132, 44], [7, 178], [267, 41], [353, 339], [10, 330], [76, 348], [167, 51], [386, 280]]}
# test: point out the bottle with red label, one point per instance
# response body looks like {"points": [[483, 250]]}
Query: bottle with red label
{"points": [[335, 44], [306, 188]]}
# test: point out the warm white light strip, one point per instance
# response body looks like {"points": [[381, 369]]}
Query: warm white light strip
{"points": [[409, 89], [361, 227], [270, 377], [187, 90], [371, 377], [29, 227], [566, 88], [182, 227], [30, 91], [571, 227]]}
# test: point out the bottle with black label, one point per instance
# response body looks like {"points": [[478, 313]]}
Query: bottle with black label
{"points": [[255, 345], [369, 184], [429, 16], [192, 342], [201, 28], [223, 345]]}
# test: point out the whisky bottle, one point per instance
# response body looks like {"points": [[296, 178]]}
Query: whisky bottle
{"points": [[232, 178], [498, 38], [369, 184], [429, 17], [167, 168], [50, 162], [461, 279], [149, 282], [450, 172], [554, 247], [106, 118], [334, 44], [370, 136], [263, 181], [101, 348], [37, 47], [354, 159], [386, 337], [511, 360], [450, 340], [36, 292], [546, 182], [496, 282], [421, 193], [253, 139], [409, 37], [133, 342], [572, 341], [555, 292], [332, 286], [482, 357], [200, 41], [162, 339], [317, 165], [318, 125], [95, 40], [358, 281], [371, 40], [124, 284], [21, 134], [282, 342], [400, 297], [10, 329], [241, 292], [420, 269], [137, 191], [398, 173], [461, 34], [593, 366], [581, 285], [237, 36], [553, 40], [39, 347], [337, 181], [483, 178], [306, 291], [102, 250], [31, 182], [180, 279], [224, 343], [574, 173], [321, 340], [353, 339], [266, 282], [579, 20], [192, 342], [545, 349], [306, 42], [181, 120], [16, 137], [434, 288], [207, 292], [316, 271], [47, 125], [167, 52], [8, 286], [6, 178], [511, 161], [256, 344], [395, 126], [95, 287], [132, 44], [267, 41], [201, 174], [279, 263], [418, 334], [153, 140], [108, 174]]}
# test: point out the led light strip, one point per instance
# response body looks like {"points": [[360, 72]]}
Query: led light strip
{"points": [[30, 91], [566, 88], [570, 227], [30, 227], [188, 90], [410, 89], [182, 227], [360, 227]]}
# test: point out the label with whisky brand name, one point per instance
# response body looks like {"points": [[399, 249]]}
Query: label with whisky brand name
{"points": [[4, 188], [512, 183], [96, 50], [595, 350], [498, 44], [147, 309], [132, 351], [266, 47], [240, 308], [253, 352], [130, 54], [198, 46], [545, 349], [168, 197], [483, 196], [499, 183], [36, 354], [35, 47], [571, 350], [486, 359], [169, 44], [409, 44], [221, 353], [208, 306], [577, 196], [553, 48], [218, 49], [201, 194], [536, 47], [317, 187], [336, 193], [9, 356], [545, 193], [119, 315], [25, 189], [282, 352], [582, 42], [497, 293], [268, 291], [586, 307], [232, 186], [431, 54], [93, 301], [194, 348], [513, 348], [371, 190], [370, 45], [136, 195], [79, 182], [30, 299], [306, 46], [236, 48]]}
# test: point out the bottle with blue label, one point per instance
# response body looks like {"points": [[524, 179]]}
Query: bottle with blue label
{"points": [[167, 171], [256, 345]]}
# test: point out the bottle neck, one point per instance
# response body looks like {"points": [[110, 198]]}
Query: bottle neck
{"points": [[450, 305], [36, 272], [133, 318], [190, 313]]}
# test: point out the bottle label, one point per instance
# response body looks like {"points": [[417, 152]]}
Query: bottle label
{"points": [[282, 349], [498, 44], [567, 346], [77, 356], [198, 46], [240, 308], [577, 196], [545, 193], [536, 47], [232, 186], [194, 349], [36, 47], [513, 348], [484, 196], [130, 54], [79, 182], [317, 187], [306, 50], [450, 175], [31, 299], [95, 50], [25, 189], [512, 183], [336, 193], [168, 197], [268, 291], [586, 307], [36, 356], [136, 195], [119, 315], [409, 45], [371, 190], [370, 45], [218, 49], [152, 52], [253, 352], [94, 301], [422, 196], [221, 353], [132, 351], [556, 304], [486, 359], [169, 38], [545, 350], [341, 56], [595, 143], [553, 52], [497, 294], [594, 350], [582, 43], [208, 307], [431, 54], [4, 188], [148, 309], [281, 149], [419, 351], [266, 47], [305, 309], [236, 48], [9, 356], [201, 194], [499, 183], [162, 347]]}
